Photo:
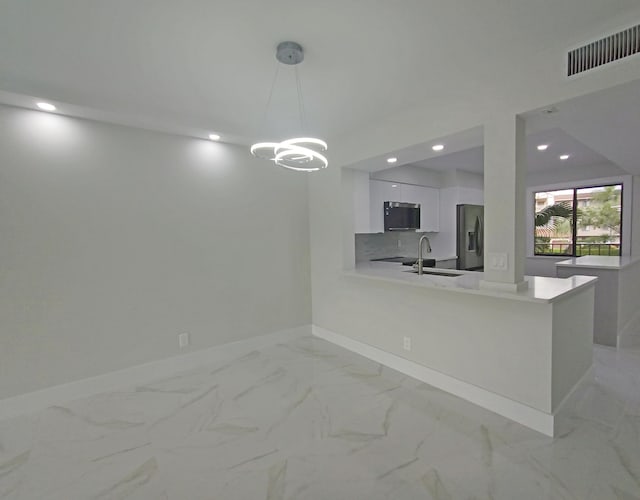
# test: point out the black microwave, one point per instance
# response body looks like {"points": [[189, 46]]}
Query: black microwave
{"points": [[399, 216]]}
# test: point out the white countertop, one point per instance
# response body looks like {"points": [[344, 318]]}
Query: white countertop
{"points": [[541, 289], [599, 262]]}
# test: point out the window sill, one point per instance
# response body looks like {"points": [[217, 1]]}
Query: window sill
{"points": [[546, 257]]}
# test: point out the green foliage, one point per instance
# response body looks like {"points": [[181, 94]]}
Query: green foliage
{"points": [[545, 250], [555, 220], [603, 211], [597, 249], [548, 215]]}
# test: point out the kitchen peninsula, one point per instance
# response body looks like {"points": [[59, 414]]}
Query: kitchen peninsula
{"points": [[518, 354]]}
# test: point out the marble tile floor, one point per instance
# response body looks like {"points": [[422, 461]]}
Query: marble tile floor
{"points": [[309, 420]]}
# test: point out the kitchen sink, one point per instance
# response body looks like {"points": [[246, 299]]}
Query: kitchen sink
{"points": [[436, 273], [407, 261]]}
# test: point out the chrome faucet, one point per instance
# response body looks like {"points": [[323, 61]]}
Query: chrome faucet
{"points": [[424, 239]]}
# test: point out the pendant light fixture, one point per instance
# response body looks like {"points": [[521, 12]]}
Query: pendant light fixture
{"points": [[300, 153]]}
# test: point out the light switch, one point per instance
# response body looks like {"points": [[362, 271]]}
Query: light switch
{"points": [[498, 261]]}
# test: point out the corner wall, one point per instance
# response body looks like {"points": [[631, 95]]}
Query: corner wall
{"points": [[115, 240]]}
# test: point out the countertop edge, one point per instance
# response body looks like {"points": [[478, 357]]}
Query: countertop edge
{"points": [[595, 266], [425, 256], [519, 296]]}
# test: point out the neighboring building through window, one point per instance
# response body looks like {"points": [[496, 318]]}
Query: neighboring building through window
{"points": [[578, 221]]}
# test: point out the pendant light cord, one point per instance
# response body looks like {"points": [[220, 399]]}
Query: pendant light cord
{"points": [[273, 85], [301, 109]]}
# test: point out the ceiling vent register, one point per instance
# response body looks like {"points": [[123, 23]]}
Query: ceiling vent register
{"points": [[604, 51]]}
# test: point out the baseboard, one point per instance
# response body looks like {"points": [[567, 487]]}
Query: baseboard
{"points": [[141, 374], [513, 410]]}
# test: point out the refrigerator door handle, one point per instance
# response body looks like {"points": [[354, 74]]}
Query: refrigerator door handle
{"points": [[479, 235]]}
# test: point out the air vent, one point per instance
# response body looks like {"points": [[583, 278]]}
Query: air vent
{"points": [[612, 48]]}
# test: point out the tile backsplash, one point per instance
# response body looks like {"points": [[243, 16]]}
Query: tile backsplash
{"points": [[390, 244]]}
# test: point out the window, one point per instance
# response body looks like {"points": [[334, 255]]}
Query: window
{"points": [[578, 221]]}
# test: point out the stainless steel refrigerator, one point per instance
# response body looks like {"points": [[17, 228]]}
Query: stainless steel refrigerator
{"points": [[470, 237]]}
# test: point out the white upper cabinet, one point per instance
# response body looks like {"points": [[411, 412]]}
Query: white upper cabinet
{"points": [[361, 202], [429, 208], [380, 192], [427, 197]]}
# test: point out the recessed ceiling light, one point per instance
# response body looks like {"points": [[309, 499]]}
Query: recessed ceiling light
{"points": [[394, 185], [542, 147], [392, 160], [45, 106], [437, 147], [214, 137], [564, 157]]}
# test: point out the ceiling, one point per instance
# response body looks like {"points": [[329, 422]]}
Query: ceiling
{"points": [[559, 142], [200, 66], [607, 121], [600, 128]]}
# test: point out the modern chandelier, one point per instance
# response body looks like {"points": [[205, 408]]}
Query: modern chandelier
{"points": [[303, 154]]}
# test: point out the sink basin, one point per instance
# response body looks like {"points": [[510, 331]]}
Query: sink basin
{"points": [[425, 263], [407, 261], [436, 273]]}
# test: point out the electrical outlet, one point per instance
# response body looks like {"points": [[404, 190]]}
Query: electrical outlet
{"points": [[407, 344], [183, 340], [399, 244]]}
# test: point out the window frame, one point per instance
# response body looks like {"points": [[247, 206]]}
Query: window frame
{"points": [[574, 219]]}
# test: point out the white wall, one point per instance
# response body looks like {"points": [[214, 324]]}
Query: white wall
{"points": [[409, 174], [573, 174], [628, 310], [542, 266], [115, 240], [463, 180], [635, 217]]}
